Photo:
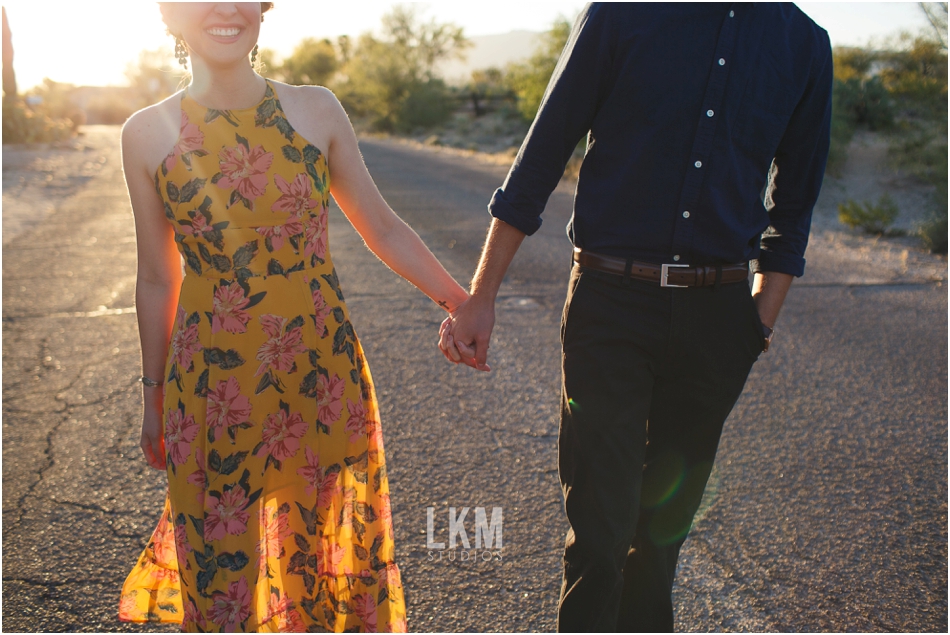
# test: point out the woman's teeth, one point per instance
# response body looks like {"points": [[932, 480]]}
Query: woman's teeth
{"points": [[224, 32]]}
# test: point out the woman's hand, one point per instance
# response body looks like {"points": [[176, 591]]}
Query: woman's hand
{"points": [[457, 351], [153, 440]]}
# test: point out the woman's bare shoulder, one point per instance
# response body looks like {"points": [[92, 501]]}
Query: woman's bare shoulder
{"points": [[314, 112], [152, 132]]}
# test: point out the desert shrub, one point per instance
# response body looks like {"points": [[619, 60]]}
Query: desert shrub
{"points": [[23, 125], [865, 101], [109, 110], [529, 79], [313, 62], [390, 79], [872, 218], [934, 233]]}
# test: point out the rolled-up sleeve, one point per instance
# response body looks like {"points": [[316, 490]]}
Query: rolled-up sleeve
{"points": [[800, 162], [567, 111]]}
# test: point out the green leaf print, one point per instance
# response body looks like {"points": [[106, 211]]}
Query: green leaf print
{"points": [[201, 387], [265, 111], [233, 561], [190, 189], [226, 360], [292, 154], [244, 254], [204, 253], [334, 281], [311, 153], [309, 518], [221, 262], [172, 191], [285, 128]]}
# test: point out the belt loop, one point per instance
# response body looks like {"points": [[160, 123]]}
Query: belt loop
{"points": [[718, 276], [626, 273]]}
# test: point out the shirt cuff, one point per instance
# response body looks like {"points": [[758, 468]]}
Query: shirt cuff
{"points": [[503, 210], [779, 263]]}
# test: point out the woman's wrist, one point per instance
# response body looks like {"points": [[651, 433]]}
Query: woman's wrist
{"points": [[451, 305]]}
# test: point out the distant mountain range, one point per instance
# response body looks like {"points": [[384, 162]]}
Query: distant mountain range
{"points": [[488, 51]]}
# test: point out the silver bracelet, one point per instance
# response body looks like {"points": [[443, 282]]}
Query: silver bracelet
{"points": [[151, 383]]}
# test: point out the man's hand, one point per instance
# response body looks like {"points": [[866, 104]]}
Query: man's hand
{"points": [[464, 336]]}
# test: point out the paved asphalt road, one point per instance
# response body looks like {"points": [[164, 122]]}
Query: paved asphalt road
{"points": [[827, 511]]}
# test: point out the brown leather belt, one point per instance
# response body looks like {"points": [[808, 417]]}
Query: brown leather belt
{"points": [[674, 275]]}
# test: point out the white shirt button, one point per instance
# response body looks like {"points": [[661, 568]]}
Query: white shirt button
{"points": [[676, 258], [710, 113], [685, 214], [722, 61], [698, 164], [732, 14]]}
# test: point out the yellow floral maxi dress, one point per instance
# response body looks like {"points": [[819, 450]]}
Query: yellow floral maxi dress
{"points": [[278, 515]]}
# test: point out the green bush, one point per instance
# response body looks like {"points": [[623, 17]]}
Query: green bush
{"points": [[872, 218], [390, 79], [934, 233], [22, 125], [865, 101], [529, 79]]}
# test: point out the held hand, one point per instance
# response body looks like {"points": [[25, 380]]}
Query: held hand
{"points": [[153, 441], [464, 336]]}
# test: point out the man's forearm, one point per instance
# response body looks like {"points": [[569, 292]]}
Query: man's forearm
{"points": [[769, 290], [500, 248]]}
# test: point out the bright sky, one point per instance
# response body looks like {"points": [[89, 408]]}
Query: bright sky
{"points": [[92, 43]]}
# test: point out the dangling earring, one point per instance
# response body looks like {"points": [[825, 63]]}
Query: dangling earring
{"points": [[181, 52], [253, 55]]}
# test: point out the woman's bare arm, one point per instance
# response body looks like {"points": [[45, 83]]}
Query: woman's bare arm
{"points": [[386, 235], [158, 278]]}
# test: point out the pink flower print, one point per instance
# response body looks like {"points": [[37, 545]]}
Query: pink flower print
{"points": [[199, 477], [389, 577], [226, 515], [356, 423], [163, 543], [397, 625], [229, 609], [288, 619], [226, 405], [386, 514], [180, 431], [127, 607], [329, 402], [189, 139], [185, 341], [315, 235], [161, 573], [295, 196], [199, 227], [281, 436], [329, 557], [277, 233], [321, 311], [182, 547], [324, 482], [364, 606], [193, 616], [275, 529], [374, 435], [291, 622], [245, 170], [279, 351], [229, 302]]}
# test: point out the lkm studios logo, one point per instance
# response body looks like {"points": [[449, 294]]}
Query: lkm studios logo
{"points": [[488, 535]]}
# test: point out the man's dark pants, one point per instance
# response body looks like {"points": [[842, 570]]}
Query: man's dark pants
{"points": [[649, 376]]}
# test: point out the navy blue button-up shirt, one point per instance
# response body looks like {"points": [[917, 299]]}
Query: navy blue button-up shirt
{"points": [[708, 130]]}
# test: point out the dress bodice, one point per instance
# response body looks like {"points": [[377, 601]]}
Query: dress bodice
{"points": [[246, 194]]}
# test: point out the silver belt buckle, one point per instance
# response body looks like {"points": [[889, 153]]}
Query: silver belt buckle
{"points": [[664, 275]]}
